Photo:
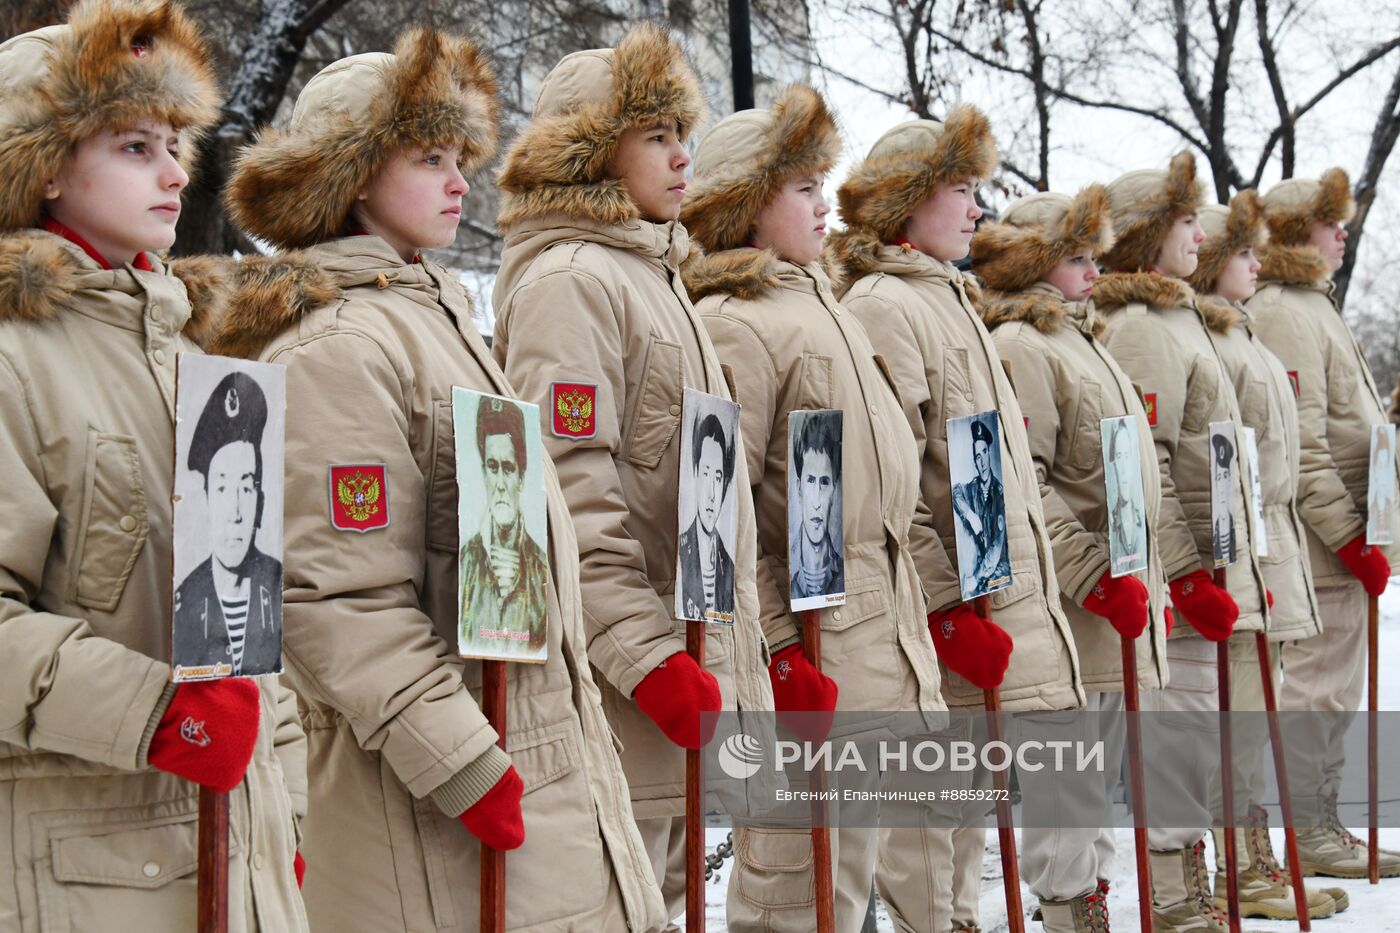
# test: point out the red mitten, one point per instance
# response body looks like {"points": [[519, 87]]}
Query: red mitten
{"points": [[207, 733], [299, 868], [1168, 617], [800, 688], [973, 647], [1122, 601], [1269, 597], [674, 695], [1210, 610], [496, 819], [1367, 564]]}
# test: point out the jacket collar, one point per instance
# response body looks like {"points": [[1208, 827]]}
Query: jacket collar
{"points": [[1120, 289], [1219, 314], [749, 273], [1298, 266]]}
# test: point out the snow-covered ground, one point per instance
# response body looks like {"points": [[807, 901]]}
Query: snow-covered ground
{"points": [[1373, 909]]}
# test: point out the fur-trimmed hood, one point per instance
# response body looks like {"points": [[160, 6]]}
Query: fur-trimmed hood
{"points": [[849, 255], [908, 163], [41, 273], [1036, 232], [556, 164], [747, 157], [1293, 265], [1041, 306], [295, 187], [113, 64], [1144, 204], [1228, 230], [1219, 314], [744, 273], [1292, 206], [1120, 289], [266, 295]]}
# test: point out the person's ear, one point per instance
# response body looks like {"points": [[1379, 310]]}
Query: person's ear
{"points": [[51, 191]]}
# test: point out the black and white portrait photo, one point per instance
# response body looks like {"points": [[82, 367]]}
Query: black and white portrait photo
{"points": [[1255, 484], [1222, 486], [1122, 475], [230, 418], [707, 515], [816, 543], [1380, 489], [502, 524], [979, 504]]}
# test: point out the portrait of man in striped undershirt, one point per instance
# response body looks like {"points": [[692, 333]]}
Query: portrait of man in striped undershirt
{"points": [[708, 522], [228, 608]]}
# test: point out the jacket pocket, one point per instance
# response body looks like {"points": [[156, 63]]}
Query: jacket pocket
{"points": [[1088, 444], [1202, 393], [774, 868], [814, 382], [113, 526], [658, 411], [442, 481], [884, 369], [865, 599], [1254, 407], [957, 384]]}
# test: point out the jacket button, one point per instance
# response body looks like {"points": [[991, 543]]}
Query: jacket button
{"points": [[155, 312], [836, 616], [159, 357], [127, 523], [150, 869], [675, 409], [258, 861]]}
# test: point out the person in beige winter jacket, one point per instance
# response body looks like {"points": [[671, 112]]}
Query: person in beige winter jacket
{"points": [[756, 206], [1158, 337], [909, 210], [99, 120], [407, 775], [1296, 316], [594, 324], [1225, 277], [1037, 264]]}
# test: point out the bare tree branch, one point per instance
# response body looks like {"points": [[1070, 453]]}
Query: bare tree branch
{"points": [[1383, 138]]}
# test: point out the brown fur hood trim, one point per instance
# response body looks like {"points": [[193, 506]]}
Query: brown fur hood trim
{"points": [[1292, 265], [1041, 310], [556, 163], [1009, 258], [1144, 209], [1244, 227], [853, 253], [295, 187], [721, 207], [881, 192], [268, 294], [38, 276], [1218, 314], [743, 273], [1120, 289], [115, 63], [1290, 222]]}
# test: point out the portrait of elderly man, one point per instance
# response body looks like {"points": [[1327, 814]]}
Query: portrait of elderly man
{"points": [[980, 506], [706, 567], [228, 610], [1126, 528], [1221, 517], [503, 570], [816, 560]]}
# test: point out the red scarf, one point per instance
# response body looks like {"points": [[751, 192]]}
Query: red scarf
{"points": [[52, 226]]}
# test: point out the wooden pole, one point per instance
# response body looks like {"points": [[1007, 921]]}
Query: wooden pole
{"points": [[821, 831], [694, 804], [1227, 776], [1010, 866], [1137, 783], [213, 862], [493, 861], [1373, 865], [1290, 833]]}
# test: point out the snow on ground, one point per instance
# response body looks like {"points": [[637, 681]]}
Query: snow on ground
{"points": [[1373, 909]]}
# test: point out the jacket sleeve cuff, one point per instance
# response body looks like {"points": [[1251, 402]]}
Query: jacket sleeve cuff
{"points": [[455, 796], [775, 647], [1081, 589], [1187, 565], [143, 750]]}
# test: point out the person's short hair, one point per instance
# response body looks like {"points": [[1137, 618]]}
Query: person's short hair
{"points": [[235, 411], [1119, 429], [709, 427], [1224, 450], [818, 434], [980, 432], [498, 416]]}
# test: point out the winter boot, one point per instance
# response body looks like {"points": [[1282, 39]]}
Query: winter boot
{"points": [[1333, 851], [1176, 905], [1087, 913], [1261, 855]]}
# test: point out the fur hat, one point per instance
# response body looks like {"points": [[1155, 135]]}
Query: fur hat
{"points": [[1292, 206], [1227, 230], [1144, 204], [1036, 232], [747, 157], [556, 163], [908, 163], [296, 187], [113, 64]]}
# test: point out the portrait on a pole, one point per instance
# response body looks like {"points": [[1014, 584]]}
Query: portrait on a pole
{"points": [[1381, 486], [816, 533], [706, 505], [1256, 492], [1122, 475], [502, 524], [230, 430], [979, 503], [1223, 464]]}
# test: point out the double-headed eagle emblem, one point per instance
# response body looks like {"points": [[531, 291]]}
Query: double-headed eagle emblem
{"points": [[359, 494], [575, 410]]}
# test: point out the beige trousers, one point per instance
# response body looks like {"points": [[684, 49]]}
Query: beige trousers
{"points": [[1179, 781], [664, 839]]}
